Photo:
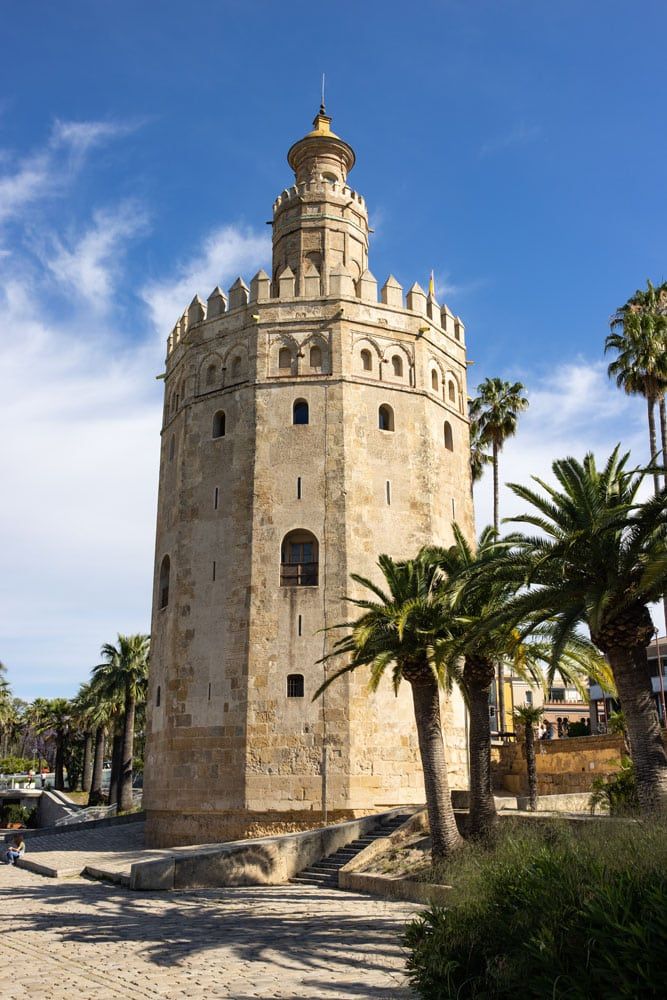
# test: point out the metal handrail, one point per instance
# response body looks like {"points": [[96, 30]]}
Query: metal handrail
{"points": [[299, 574]]}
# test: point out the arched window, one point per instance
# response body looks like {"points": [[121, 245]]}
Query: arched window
{"points": [[449, 439], [299, 560], [300, 412], [386, 418], [285, 359], [316, 357], [236, 368], [295, 685], [397, 365], [210, 375], [172, 447], [434, 380], [164, 582], [219, 424], [366, 360], [157, 696], [451, 391]]}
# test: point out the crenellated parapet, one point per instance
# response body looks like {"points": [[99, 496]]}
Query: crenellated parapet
{"points": [[262, 291]]}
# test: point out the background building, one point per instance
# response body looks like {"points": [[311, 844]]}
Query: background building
{"points": [[310, 423]]}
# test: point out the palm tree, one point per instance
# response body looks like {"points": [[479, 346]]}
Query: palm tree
{"points": [[639, 336], [126, 668], [55, 715], [479, 458], [472, 592], [600, 560], [402, 630], [528, 716], [494, 413], [84, 712]]}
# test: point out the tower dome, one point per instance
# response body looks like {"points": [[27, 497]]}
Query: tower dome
{"points": [[321, 153]]}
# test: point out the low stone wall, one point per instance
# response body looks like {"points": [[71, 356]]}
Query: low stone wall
{"points": [[263, 861], [395, 888], [564, 767]]}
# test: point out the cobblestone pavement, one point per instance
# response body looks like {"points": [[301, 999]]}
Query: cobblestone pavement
{"points": [[81, 939], [113, 848]]}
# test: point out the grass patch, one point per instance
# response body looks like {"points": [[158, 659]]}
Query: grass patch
{"points": [[548, 910]]}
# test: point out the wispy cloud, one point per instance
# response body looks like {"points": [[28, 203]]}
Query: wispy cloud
{"points": [[573, 410], [447, 289], [83, 410], [48, 171], [89, 264], [227, 252], [520, 135]]}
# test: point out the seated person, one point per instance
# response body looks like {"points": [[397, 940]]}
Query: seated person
{"points": [[15, 850]]}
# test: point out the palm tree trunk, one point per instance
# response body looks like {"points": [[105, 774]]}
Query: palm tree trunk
{"points": [[445, 837], [650, 403], [87, 775], [531, 766], [95, 796], [500, 685], [496, 492], [633, 682], [127, 753], [482, 811], [60, 761], [663, 437], [117, 748]]}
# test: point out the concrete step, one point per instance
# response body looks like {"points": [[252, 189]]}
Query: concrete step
{"points": [[325, 872]]}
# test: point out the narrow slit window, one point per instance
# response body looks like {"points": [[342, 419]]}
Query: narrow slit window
{"points": [[298, 488], [209, 692], [215, 498], [219, 424], [299, 627], [165, 570], [157, 696], [295, 686], [434, 380], [449, 438], [453, 508], [214, 569], [388, 492]]}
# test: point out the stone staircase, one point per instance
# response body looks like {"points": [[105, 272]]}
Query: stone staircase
{"points": [[324, 873]]}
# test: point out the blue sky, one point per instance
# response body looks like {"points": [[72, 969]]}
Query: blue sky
{"points": [[517, 148]]}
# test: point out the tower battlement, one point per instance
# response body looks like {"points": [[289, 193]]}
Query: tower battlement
{"points": [[219, 306]]}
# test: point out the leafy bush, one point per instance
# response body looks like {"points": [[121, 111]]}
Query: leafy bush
{"points": [[550, 911], [17, 765], [14, 813], [617, 794]]}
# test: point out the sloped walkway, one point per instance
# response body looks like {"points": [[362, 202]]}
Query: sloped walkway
{"points": [[108, 849], [75, 937]]}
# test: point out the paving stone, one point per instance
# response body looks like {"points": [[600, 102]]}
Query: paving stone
{"points": [[97, 941]]}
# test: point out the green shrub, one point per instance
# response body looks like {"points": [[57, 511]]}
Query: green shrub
{"points": [[17, 765], [616, 794], [549, 912], [12, 812]]}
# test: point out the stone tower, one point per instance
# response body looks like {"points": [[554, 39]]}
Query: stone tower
{"points": [[309, 425]]}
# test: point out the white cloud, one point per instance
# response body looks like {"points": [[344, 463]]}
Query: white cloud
{"points": [[82, 136], [227, 252], [80, 460], [445, 288], [48, 171], [573, 410], [89, 264]]}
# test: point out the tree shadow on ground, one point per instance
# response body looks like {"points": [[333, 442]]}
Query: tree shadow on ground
{"points": [[325, 935]]}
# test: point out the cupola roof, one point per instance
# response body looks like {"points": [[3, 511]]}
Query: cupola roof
{"points": [[320, 144]]}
